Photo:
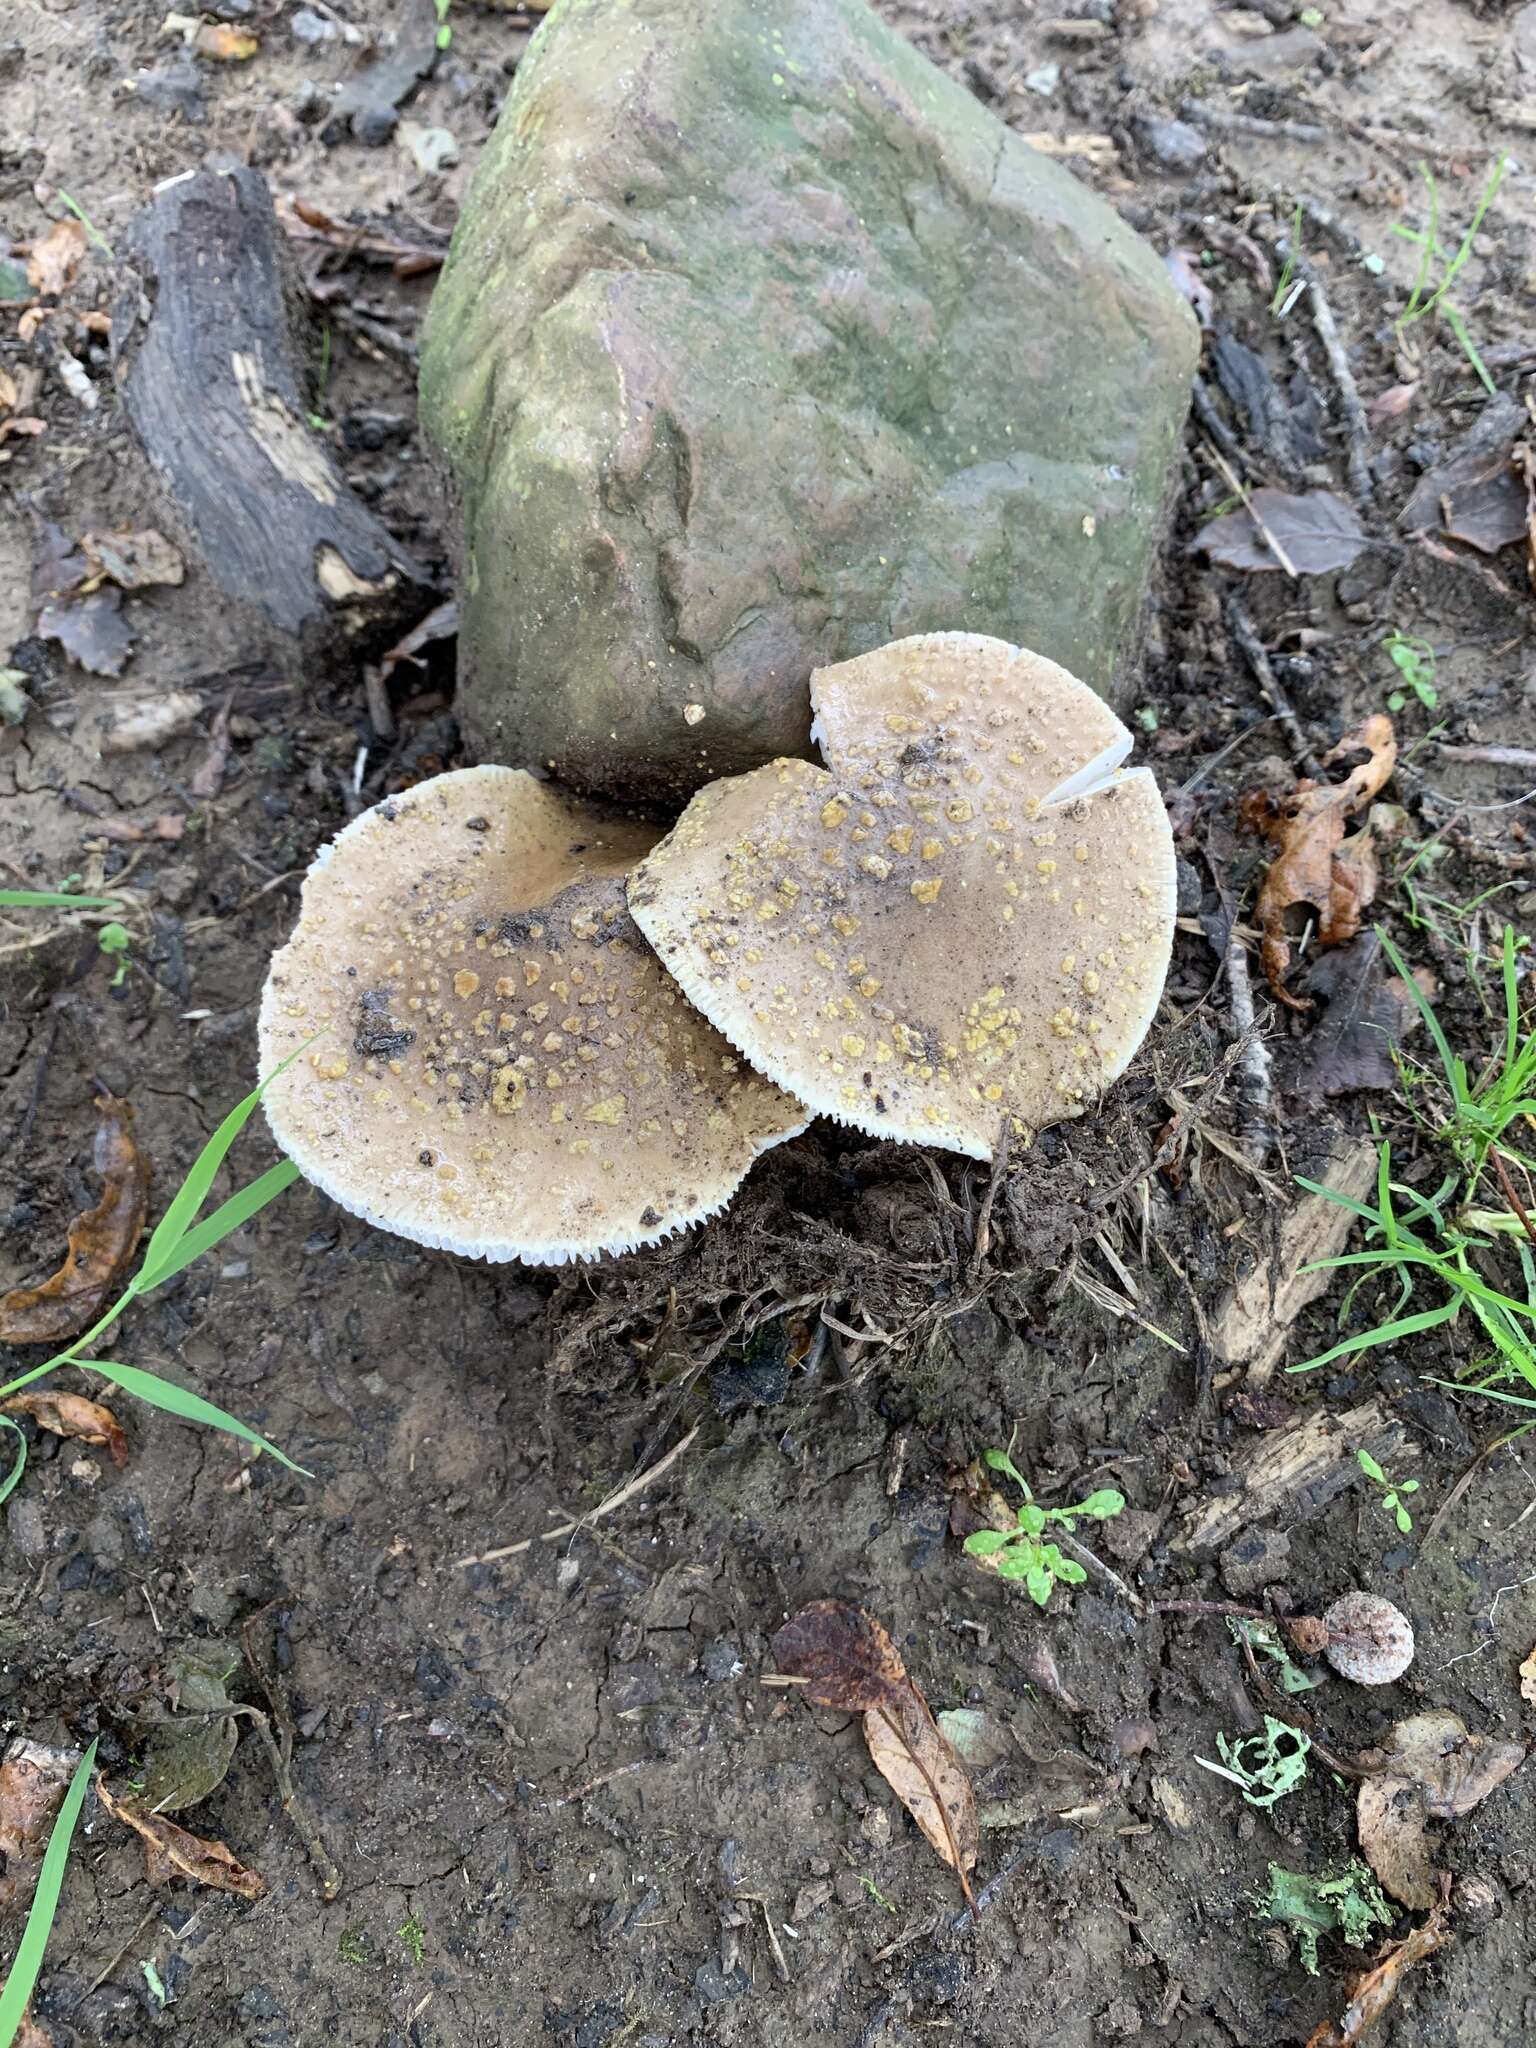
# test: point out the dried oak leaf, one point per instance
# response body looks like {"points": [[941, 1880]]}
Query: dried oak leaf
{"points": [[56, 257], [1375, 1991], [1433, 1769], [33, 1781], [72, 1415], [172, 1851], [101, 1242], [1367, 1017], [852, 1665], [1316, 867], [1317, 529], [91, 630]]}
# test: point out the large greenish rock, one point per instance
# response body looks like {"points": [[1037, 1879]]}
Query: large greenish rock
{"points": [[761, 343]]}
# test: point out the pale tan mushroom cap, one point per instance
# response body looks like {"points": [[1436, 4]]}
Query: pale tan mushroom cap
{"points": [[502, 1067], [966, 917]]}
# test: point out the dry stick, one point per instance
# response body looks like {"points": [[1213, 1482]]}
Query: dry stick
{"points": [[1096, 1563], [943, 1810], [331, 1879], [1256, 1124], [1246, 634], [1497, 757], [1250, 124], [1356, 426], [625, 1493], [1236, 483], [1510, 1196]]}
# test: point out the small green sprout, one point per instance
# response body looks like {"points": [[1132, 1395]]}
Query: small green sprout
{"points": [[1264, 1767], [876, 1894], [114, 940], [412, 1934], [1414, 660], [1390, 1501], [1021, 1552], [1349, 1905], [444, 32], [1426, 298]]}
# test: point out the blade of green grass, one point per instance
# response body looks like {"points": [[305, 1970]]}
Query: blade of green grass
{"points": [[21, 1980], [52, 899], [193, 1192], [202, 1237], [12, 1478], [1384, 1333], [182, 1402]]}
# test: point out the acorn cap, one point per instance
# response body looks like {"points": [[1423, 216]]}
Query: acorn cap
{"points": [[965, 917], [500, 1066]]}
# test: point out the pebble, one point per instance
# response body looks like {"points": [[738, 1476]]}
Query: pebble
{"points": [[24, 1527], [718, 1987], [305, 26], [1176, 145]]}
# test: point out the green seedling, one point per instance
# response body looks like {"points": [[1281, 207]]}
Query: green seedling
{"points": [[1264, 1767], [114, 940], [1428, 295], [444, 31], [1391, 1495], [1349, 1905], [1441, 1240], [1264, 1638], [176, 1241], [1414, 660], [412, 1935], [1022, 1552], [1284, 297], [21, 1978], [317, 418], [876, 1894]]}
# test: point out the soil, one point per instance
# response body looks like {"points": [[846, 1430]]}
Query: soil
{"points": [[563, 1804]]}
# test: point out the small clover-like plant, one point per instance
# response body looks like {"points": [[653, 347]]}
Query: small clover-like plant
{"points": [[1024, 1552], [1391, 1490], [1414, 660]]}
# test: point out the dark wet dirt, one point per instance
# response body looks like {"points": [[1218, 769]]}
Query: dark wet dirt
{"points": [[563, 1804]]}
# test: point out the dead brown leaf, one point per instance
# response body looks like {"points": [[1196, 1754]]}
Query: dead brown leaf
{"points": [[172, 1851], [1392, 403], [56, 257], [1525, 467], [101, 1242], [72, 1415], [225, 45], [852, 1665], [128, 832], [1375, 1991], [133, 561], [1316, 867], [1528, 1679], [1433, 1769], [33, 1781], [1318, 531]]}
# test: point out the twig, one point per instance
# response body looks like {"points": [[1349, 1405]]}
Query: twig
{"points": [[1250, 124], [1510, 1195], [280, 1756], [1096, 1563], [1357, 448], [779, 1964], [982, 1241], [1256, 1129], [614, 1501], [1497, 757], [1246, 634], [1236, 483]]}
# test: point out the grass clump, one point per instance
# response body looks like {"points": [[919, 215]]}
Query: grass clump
{"points": [[1445, 1242], [1429, 292]]}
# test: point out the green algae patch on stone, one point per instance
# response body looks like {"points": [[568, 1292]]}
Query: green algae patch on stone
{"points": [[762, 343]]}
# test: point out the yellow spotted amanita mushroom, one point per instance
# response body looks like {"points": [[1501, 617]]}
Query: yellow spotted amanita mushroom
{"points": [[499, 1064], [961, 924]]}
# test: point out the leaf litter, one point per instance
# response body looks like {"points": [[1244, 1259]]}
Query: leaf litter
{"points": [[101, 1242], [1432, 1769], [172, 1851], [189, 1750], [72, 1415], [1318, 531], [33, 1781], [850, 1663], [1316, 868], [1375, 1991]]}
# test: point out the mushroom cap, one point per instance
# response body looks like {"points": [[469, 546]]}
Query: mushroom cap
{"points": [[966, 917], [500, 1066], [1369, 1639]]}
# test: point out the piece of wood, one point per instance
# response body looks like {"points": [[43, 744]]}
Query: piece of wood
{"points": [[1295, 1472], [1253, 1325], [210, 351]]}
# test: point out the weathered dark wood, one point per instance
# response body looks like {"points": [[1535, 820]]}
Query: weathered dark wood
{"points": [[210, 362]]}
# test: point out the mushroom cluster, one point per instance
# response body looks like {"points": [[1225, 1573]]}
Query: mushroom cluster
{"points": [[523, 1026]]}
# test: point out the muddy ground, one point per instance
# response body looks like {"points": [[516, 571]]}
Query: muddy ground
{"points": [[562, 1803]]}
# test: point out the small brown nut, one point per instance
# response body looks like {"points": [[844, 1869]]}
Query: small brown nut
{"points": [[1369, 1640]]}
